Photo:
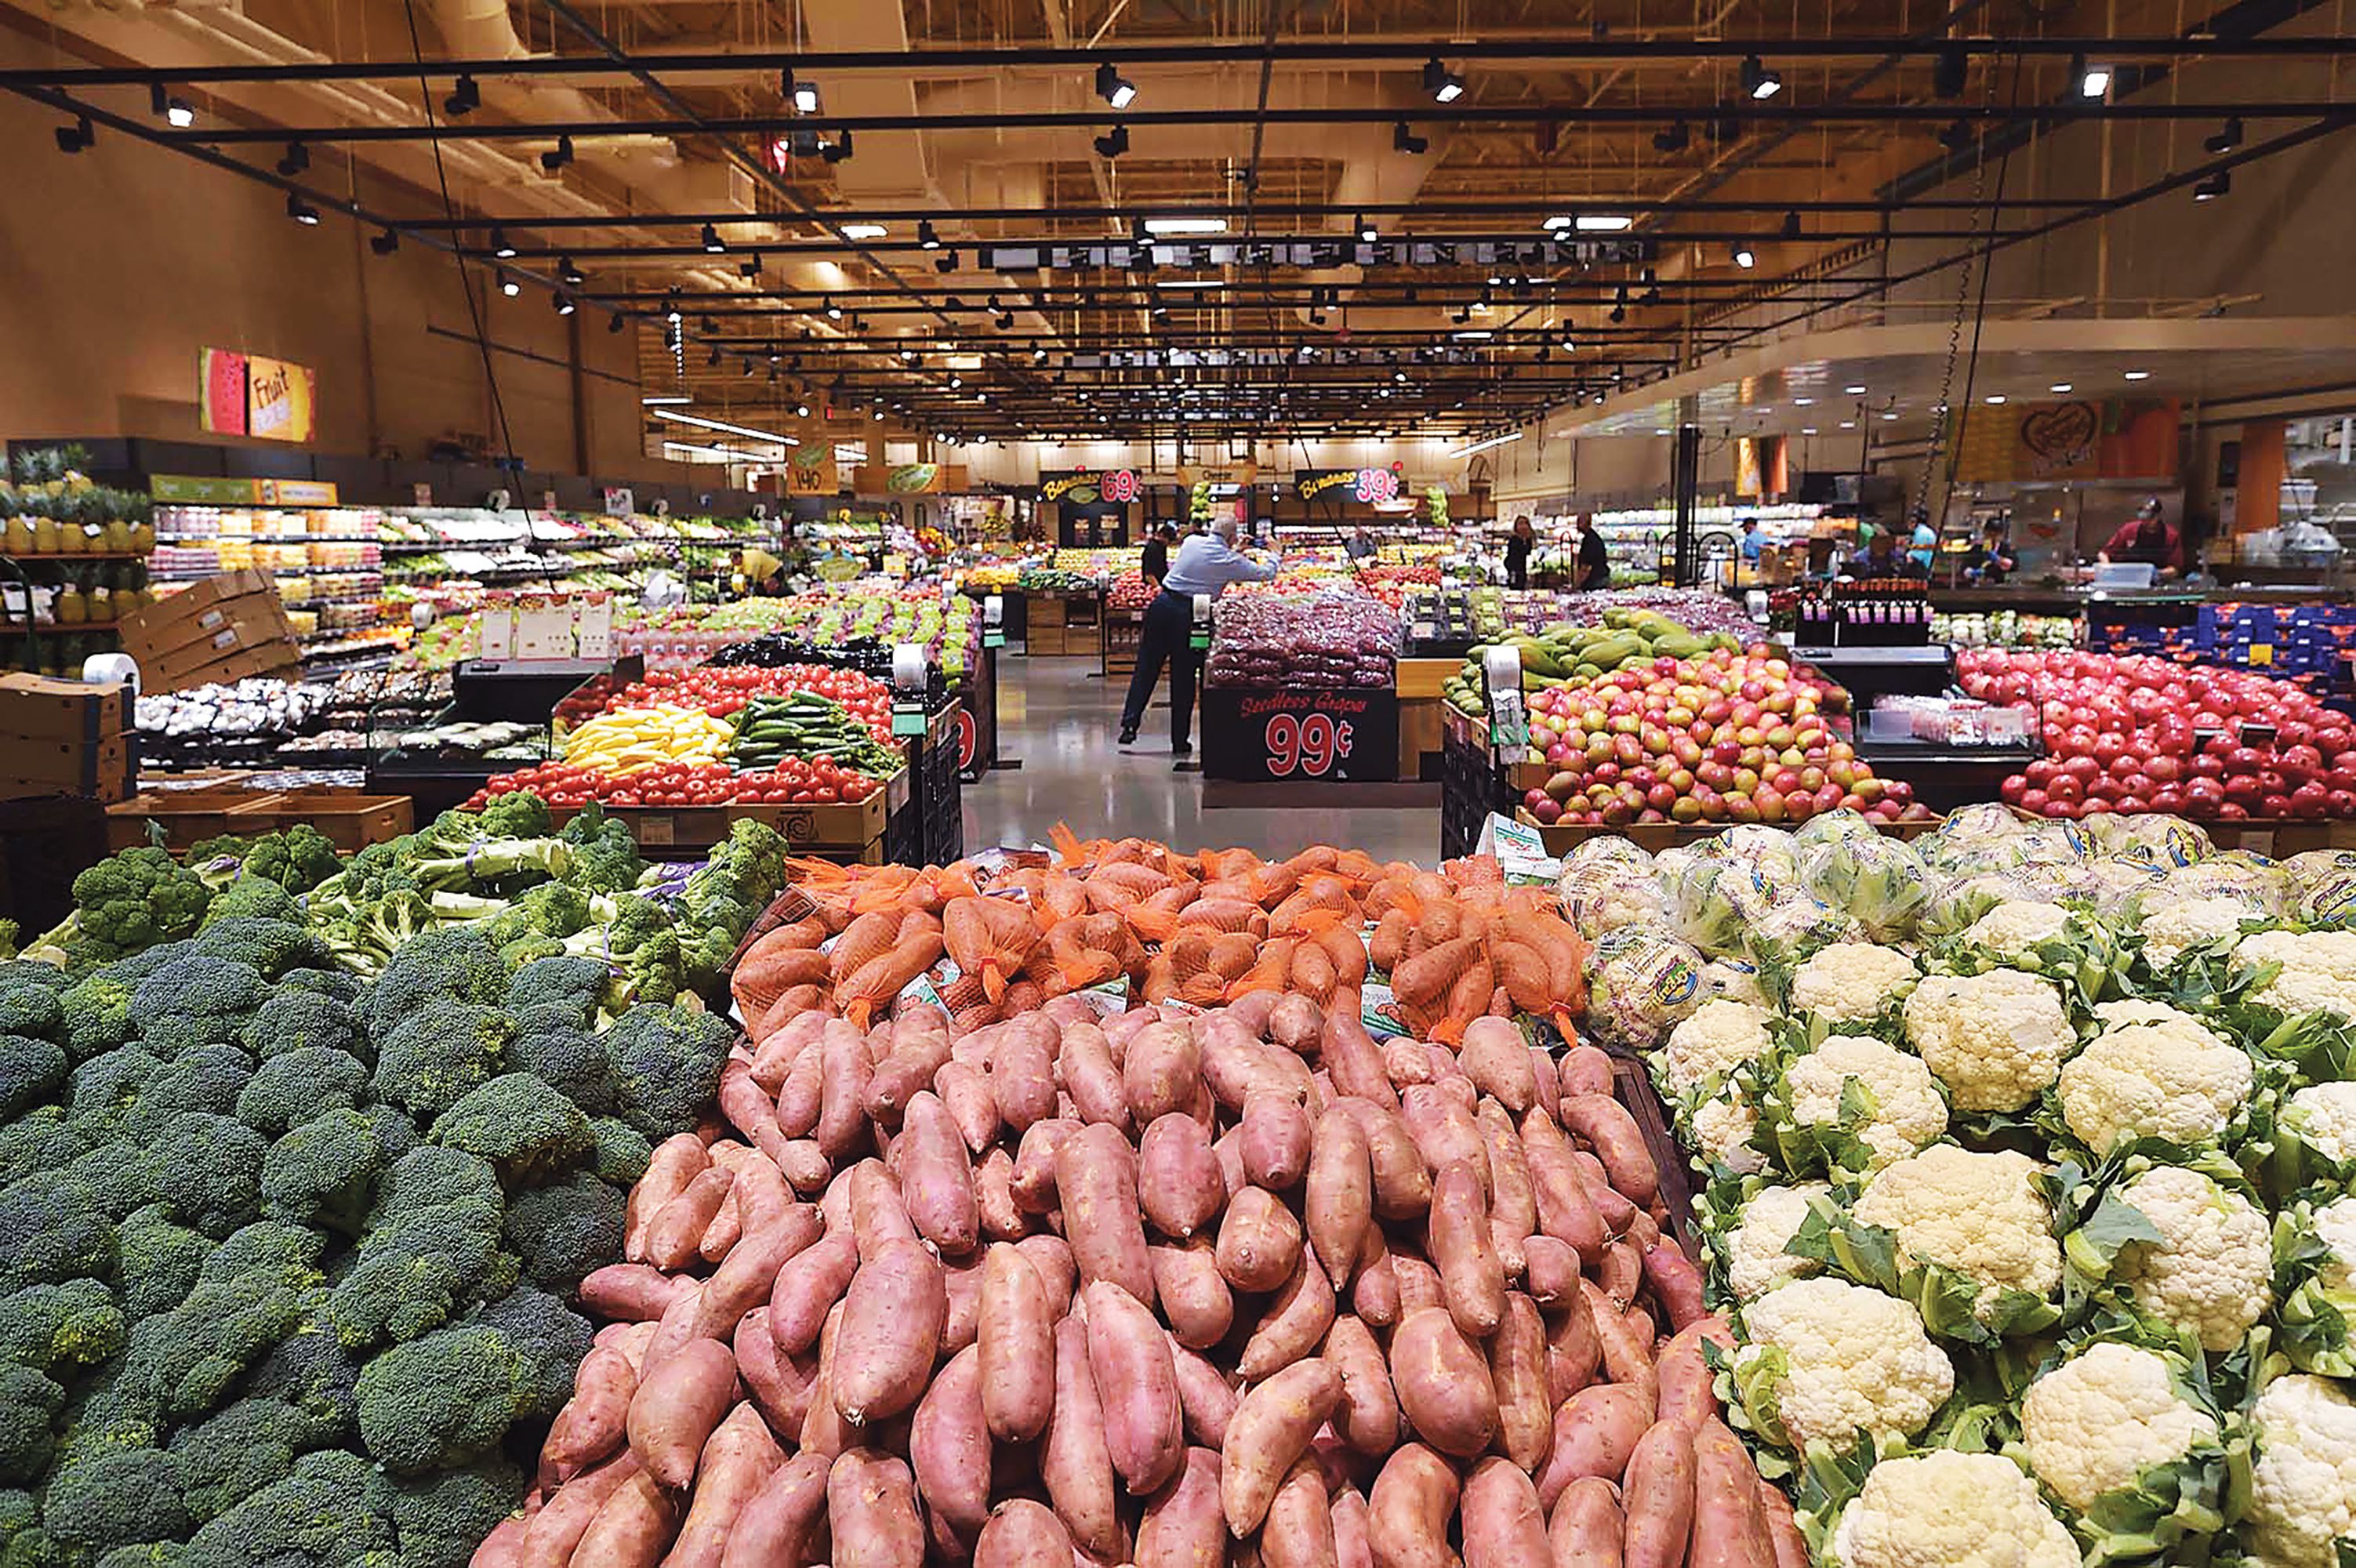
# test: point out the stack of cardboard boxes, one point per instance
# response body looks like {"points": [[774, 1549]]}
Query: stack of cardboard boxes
{"points": [[65, 737], [224, 629]]}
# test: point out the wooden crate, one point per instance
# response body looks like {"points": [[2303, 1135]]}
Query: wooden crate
{"points": [[845, 832], [1045, 640], [1080, 639], [351, 819]]}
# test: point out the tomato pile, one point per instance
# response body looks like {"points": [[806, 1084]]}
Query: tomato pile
{"points": [[721, 692], [2135, 734], [796, 780]]}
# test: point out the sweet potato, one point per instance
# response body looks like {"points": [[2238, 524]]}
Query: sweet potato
{"points": [[1095, 1182], [936, 1178], [1194, 1300], [1159, 1071], [844, 1069], [1627, 1344], [949, 1447], [1022, 1075], [1543, 1074], [1565, 1210], [808, 1284], [1517, 1370], [1504, 1526], [1137, 1386], [779, 1524], [871, 1507], [749, 1108], [1412, 1505], [1457, 1240], [1085, 1066], [805, 1166], [634, 1527], [1730, 1523], [1052, 1257], [556, 1530], [1298, 1529], [503, 1548], [1658, 1496], [1442, 1384], [1034, 1163], [1497, 1059], [1337, 1207], [966, 1091], [1294, 1022], [736, 1462], [916, 1057], [1612, 1134], [1408, 1063], [1354, 1540], [1293, 1323], [1003, 1218], [1374, 1293], [1676, 1283], [1270, 1431], [823, 1429], [1595, 1430], [1549, 1269], [1584, 1069], [891, 1332], [678, 1403], [1368, 1417], [748, 1276], [1783, 1528], [1024, 1534], [1206, 1397], [676, 1229], [1016, 1341], [1402, 1180], [879, 1211], [1348, 1053], [1073, 1459], [1259, 1242], [1684, 1378], [1616, 1211], [1585, 1526], [595, 1423], [1273, 1140], [1183, 1526], [1178, 1182], [801, 1097], [677, 1161], [1443, 1126], [779, 1385], [1418, 1282]]}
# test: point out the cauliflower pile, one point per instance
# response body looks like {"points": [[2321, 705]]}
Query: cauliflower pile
{"points": [[2317, 973], [1902, 1109], [1719, 1038], [2142, 1077]]}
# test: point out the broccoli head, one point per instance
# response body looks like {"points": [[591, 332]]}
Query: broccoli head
{"points": [[202, 983], [331, 983], [32, 1070], [216, 1171], [310, 1374], [249, 897], [298, 1086], [51, 1231], [124, 1499], [706, 946], [441, 1520], [22, 1543], [324, 1172], [518, 814], [296, 1019], [442, 1050], [436, 1402], [551, 910], [121, 1178], [160, 1261], [44, 1139], [448, 963], [304, 1396], [549, 1340], [110, 1414], [553, 1044], [108, 1087], [622, 1151], [210, 1080], [396, 1133], [151, 1554], [272, 946], [518, 1123], [431, 1252], [329, 1513], [529, 950], [29, 1004], [564, 1230], [297, 858], [430, 1177], [605, 853], [135, 899], [667, 1063], [249, 1296], [29, 1404], [76, 1324], [574, 983], [96, 1013]]}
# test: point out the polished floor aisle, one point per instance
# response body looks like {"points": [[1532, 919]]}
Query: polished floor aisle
{"points": [[1057, 716]]}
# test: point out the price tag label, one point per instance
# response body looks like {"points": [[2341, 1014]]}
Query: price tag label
{"points": [[1201, 636], [1509, 726], [907, 719], [991, 637], [2262, 653]]}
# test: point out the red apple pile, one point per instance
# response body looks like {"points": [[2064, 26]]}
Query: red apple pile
{"points": [[1724, 737], [2137, 733]]}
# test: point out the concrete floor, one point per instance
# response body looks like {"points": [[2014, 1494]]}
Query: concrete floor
{"points": [[1057, 716]]}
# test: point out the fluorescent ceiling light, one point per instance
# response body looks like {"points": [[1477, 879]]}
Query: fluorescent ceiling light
{"points": [[1601, 222], [2136, 375], [865, 230], [1485, 445], [703, 424], [1560, 221], [1185, 225], [1190, 283], [666, 399], [1475, 335]]}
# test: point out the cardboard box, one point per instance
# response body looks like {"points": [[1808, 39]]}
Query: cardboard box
{"points": [[222, 625], [183, 668], [65, 737], [37, 707]]}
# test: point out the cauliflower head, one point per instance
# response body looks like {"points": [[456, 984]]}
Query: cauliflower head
{"points": [[2178, 924], [1719, 1038], [1945, 1509], [2319, 970], [2173, 1080], [2012, 929], [1838, 1357], [1719, 1129], [2335, 1226], [1980, 1215], [2099, 1421], [1849, 983], [2211, 1270], [1996, 1040], [2303, 1499], [2324, 1116], [1907, 1110], [1755, 1260]]}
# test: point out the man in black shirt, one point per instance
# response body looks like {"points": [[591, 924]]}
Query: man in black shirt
{"points": [[1154, 561], [1594, 560]]}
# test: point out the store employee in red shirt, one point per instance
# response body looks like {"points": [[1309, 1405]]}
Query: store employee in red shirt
{"points": [[2148, 540]]}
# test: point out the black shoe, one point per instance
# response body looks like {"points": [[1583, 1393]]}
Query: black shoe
{"points": [[1128, 735], [1182, 748]]}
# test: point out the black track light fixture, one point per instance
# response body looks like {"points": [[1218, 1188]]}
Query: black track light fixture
{"points": [[712, 359], [571, 275], [1950, 72], [2228, 136], [749, 269], [302, 211], [1405, 140], [614, 323], [1619, 305], [927, 237], [1744, 256], [1956, 136], [565, 304], [501, 246], [78, 136], [1444, 85], [947, 262], [1367, 231], [510, 287], [2213, 186], [174, 112], [2088, 79], [802, 95], [1758, 83], [386, 243], [1676, 139], [297, 159], [1114, 87], [1113, 142], [833, 311], [838, 151], [1792, 225], [557, 157], [1139, 232], [465, 98], [713, 244]]}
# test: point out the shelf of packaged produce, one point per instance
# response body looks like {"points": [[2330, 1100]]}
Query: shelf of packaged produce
{"points": [[597, 542], [15, 624], [331, 633], [356, 597], [350, 648], [44, 557]]}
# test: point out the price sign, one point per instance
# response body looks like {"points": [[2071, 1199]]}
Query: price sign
{"points": [[1300, 735], [1376, 485], [968, 737], [1310, 744]]}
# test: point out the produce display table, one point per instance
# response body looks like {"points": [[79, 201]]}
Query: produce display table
{"points": [[851, 831], [977, 715], [1561, 838], [1472, 781], [349, 819], [1060, 621], [1123, 631], [1944, 776]]}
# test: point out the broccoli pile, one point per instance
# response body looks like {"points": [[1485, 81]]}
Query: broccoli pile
{"points": [[287, 1254]]}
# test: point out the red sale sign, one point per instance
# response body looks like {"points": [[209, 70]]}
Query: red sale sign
{"points": [[1252, 734]]}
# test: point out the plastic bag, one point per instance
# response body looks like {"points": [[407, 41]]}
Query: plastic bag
{"points": [[1604, 893], [1879, 880], [1640, 983]]}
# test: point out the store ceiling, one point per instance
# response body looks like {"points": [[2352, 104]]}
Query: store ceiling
{"points": [[948, 233]]}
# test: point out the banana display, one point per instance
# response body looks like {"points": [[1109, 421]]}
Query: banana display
{"points": [[1567, 653], [806, 723], [630, 739]]}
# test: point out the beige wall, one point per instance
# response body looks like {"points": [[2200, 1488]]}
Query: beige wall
{"points": [[117, 266]]}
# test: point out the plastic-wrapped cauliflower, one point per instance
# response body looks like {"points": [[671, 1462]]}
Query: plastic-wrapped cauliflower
{"points": [[1794, 931], [2170, 925], [1852, 982], [1640, 983], [2171, 1078], [2210, 1267], [1880, 881], [2147, 835], [1603, 893], [2116, 1425], [2112, 883], [1753, 1244], [2303, 1497], [1981, 837], [1763, 849], [1828, 1359], [2318, 969], [2234, 873], [1733, 979], [1979, 1215], [2315, 1251], [1945, 1509], [1716, 1039], [1996, 1040], [1717, 900], [1955, 903], [2328, 901], [1853, 1105]]}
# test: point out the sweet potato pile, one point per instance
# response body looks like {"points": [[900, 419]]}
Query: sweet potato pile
{"points": [[1166, 1286]]}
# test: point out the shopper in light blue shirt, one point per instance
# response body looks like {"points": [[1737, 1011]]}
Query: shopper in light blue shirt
{"points": [[1203, 563], [1208, 562]]}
